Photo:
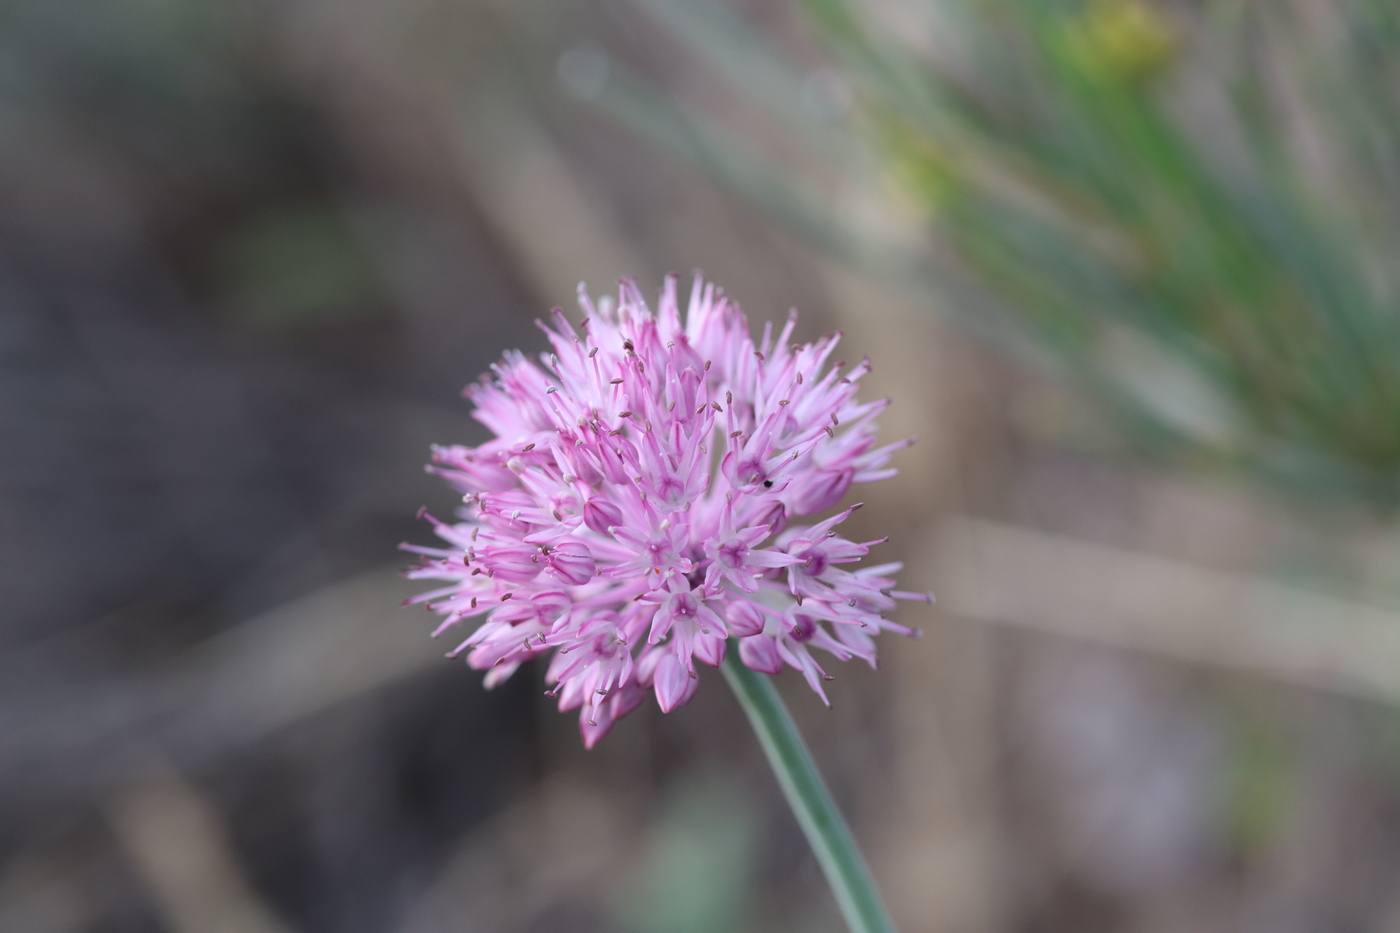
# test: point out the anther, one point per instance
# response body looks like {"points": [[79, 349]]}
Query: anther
{"points": [[592, 353], [615, 382], [527, 448]]}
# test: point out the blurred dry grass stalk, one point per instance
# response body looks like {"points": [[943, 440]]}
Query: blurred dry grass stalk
{"points": [[976, 822]]}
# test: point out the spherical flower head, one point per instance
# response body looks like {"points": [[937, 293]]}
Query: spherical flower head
{"points": [[638, 507]]}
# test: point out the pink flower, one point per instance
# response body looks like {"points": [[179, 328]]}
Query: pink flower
{"points": [[633, 511]]}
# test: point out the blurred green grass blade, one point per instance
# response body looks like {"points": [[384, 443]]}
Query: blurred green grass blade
{"points": [[700, 868], [1054, 148], [775, 188], [738, 54]]}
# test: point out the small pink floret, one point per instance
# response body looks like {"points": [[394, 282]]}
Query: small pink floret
{"points": [[638, 506]]}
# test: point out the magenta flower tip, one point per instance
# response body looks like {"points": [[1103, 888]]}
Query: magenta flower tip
{"points": [[635, 508]]}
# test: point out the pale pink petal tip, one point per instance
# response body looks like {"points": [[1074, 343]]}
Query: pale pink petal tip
{"points": [[640, 502]]}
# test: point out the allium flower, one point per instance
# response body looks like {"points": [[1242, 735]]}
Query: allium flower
{"points": [[633, 511]]}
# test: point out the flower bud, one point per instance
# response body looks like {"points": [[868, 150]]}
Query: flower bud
{"points": [[572, 563], [674, 684], [709, 649], [512, 563], [760, 654], [819, 491], [744, 618], [775, 517], [600, 514]]}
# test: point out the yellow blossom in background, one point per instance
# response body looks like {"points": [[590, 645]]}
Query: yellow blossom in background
{"points": [[1120, 42], [920, 175]]}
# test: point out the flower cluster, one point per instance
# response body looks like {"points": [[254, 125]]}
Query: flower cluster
{"points": [[633, 511]]}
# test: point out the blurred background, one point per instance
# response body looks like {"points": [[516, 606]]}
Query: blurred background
{"points": [[1127, 268]]}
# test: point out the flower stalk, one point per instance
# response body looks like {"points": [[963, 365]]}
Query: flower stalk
{"points": [[807, 794]]}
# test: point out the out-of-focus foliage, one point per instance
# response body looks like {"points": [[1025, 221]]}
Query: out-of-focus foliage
{"points": [[297, 267], [698, 875], [1193, 208]]}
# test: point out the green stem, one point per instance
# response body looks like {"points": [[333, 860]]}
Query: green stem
{"points": [[806, 793]]}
